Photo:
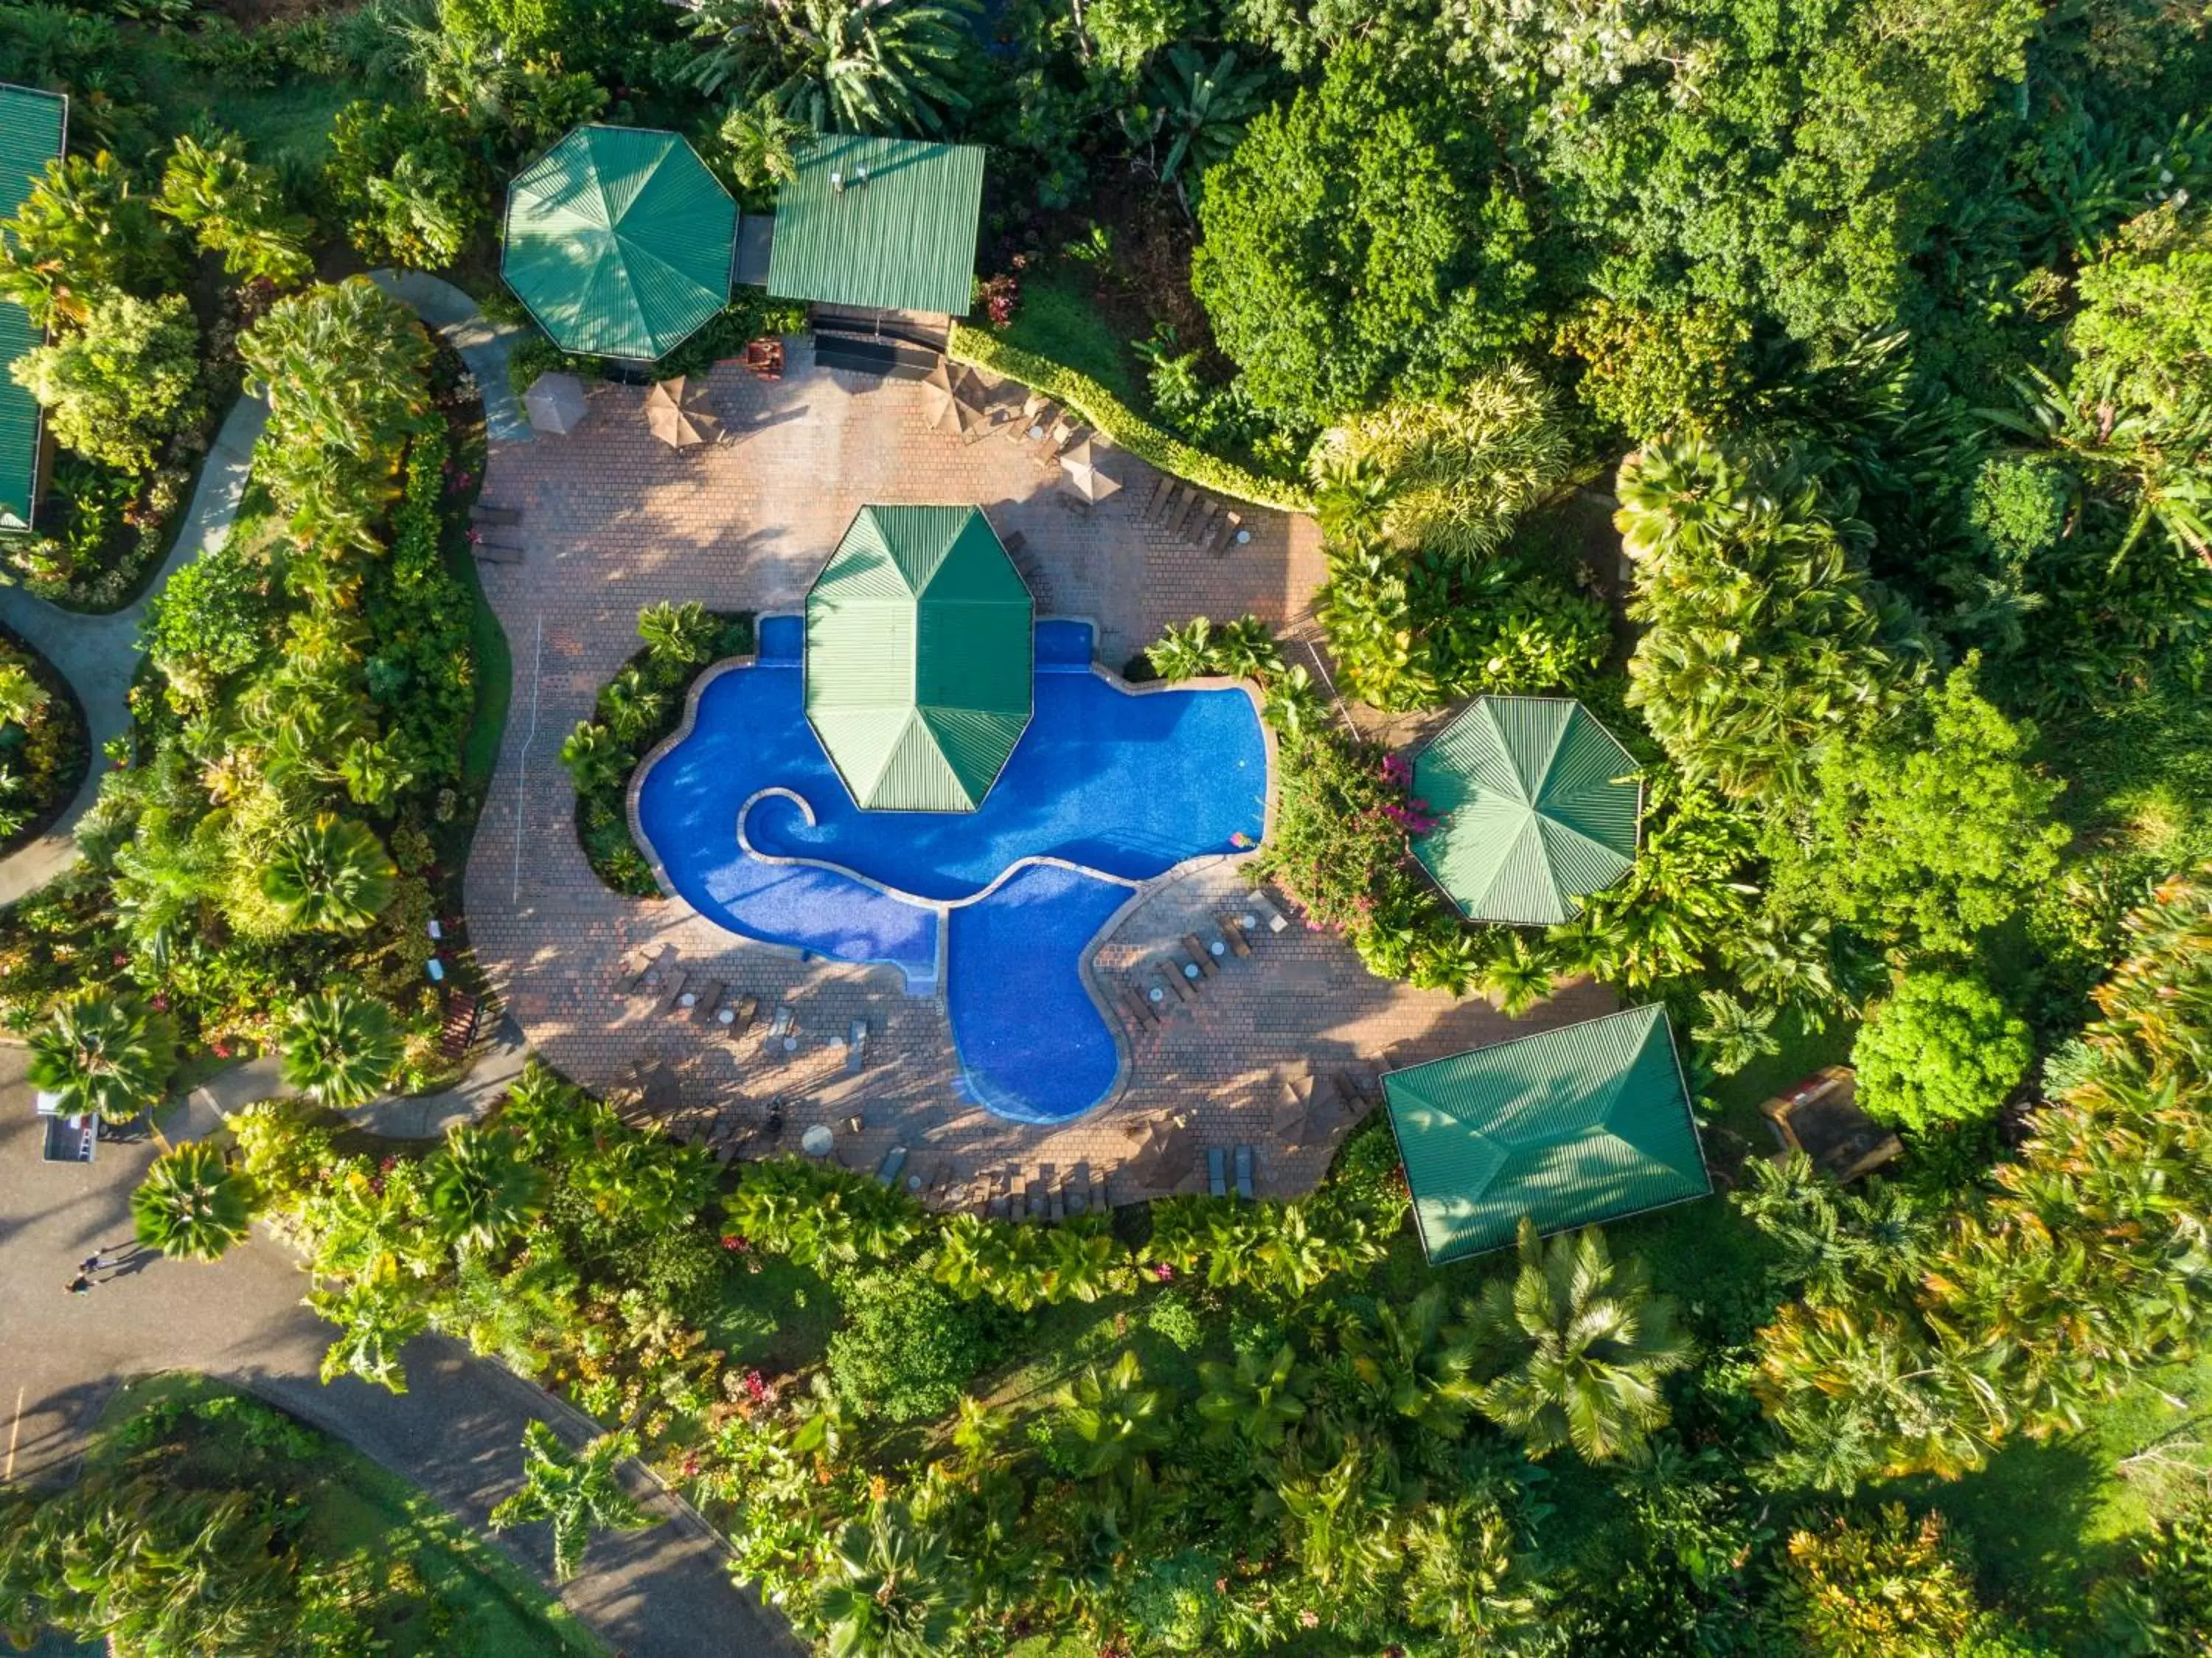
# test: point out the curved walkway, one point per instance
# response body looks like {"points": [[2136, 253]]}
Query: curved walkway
{"points": [[98, 655], [664, 1593]]}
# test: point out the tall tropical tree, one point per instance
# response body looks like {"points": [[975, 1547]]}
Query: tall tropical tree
{"points": [[84, 230], [1200, 108], [190, 1206], [339, 1047], [483, 1193], [678, 636], [103, 1055], [329, 875], [595, 757], [377, 1315], [234, 208], [1117, 1421], [1579, 1347], [1340, 1522], [343, 366], [840, 65], [1411, 1362], [1258, 1400], [577, 1492], [891, 1588], [761, 142]]}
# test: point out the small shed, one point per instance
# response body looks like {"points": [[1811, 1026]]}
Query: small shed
{"points": [[879, 224], [919, 658], [1589, 1121], [620, 242], [33, 131], [1536, 805]]}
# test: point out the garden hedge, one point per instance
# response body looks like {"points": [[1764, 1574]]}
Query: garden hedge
{"points": [[1114, 419]]}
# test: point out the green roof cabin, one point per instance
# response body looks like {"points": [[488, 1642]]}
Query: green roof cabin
{"points": [[1536, 806], [1590, 1122], [918, 658], [33, 128], [875, 224], [620, 242]]}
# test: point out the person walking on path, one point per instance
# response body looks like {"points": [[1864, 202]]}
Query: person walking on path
{"points": [[81, 1284]]}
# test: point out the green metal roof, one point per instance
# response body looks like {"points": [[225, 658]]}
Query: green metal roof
{"points": [[33, 125], [1589, 1121], [902, 241], [619, 241], [918, 658], [1536, 803]]}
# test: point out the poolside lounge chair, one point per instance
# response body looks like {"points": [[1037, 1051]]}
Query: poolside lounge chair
{"points": [[1200, 531], [650, 977], [1158, 498], [1098, 1198], [856, 1046], [736, 1018], [1233, 930], [1232, 525], [672, 989], [483, 512], [1171, 505], [710, 1002], [1244, 1173], [1217, 1172], [1199, 953], [1274, 917], [784, 1027], [498, 545], [1141, 1012], [1056, 1201], [1171, 976], [888, 1170], [1178, 514], [459, 1033]]}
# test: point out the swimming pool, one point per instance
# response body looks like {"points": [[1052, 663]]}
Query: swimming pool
{"points": [[996, 909]]}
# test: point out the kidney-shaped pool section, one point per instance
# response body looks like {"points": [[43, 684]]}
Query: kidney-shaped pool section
{"points": [[996, 908]]}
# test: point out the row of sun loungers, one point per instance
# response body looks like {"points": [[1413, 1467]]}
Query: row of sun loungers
{"points": [[1192, 516], [1181, 976], [495, 533]]}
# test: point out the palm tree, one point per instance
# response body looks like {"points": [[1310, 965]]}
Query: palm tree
{"points": [[595, 757], [376, 1315], [1257, 1399], [1411, 1362], [1205, 106], [891, 1588], [331, 876], [1339, 1522], [1116, 1420], [630, 705], [1579, 1345], [190, 1206], [82, 232], [234, 208], [338, 1047], [1516, 976], [102, 1055], [842, 65], [1732, 1033], [1183, 652], [343, 365], [576, 1490], [763, 142], [678, 636], [1464, 1582], [483, 1192]]}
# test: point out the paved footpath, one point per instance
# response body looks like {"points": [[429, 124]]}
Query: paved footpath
{"points": [[98, 655], [456, 1432]]}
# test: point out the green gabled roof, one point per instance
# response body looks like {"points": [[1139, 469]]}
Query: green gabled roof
{"points": [[1536, 805], [918, 658], [619, 241], [904, 241], [1586, 1123], [33, 127]]}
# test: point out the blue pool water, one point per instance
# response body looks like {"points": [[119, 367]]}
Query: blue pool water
{"points": [[1126, 786]]}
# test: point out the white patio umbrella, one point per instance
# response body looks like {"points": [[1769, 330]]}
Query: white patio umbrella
{"points": [[1084, 475], [555, 402], [677, 412]]}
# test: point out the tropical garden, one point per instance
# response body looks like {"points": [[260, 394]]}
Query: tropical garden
{"points": [[1821, 393]]}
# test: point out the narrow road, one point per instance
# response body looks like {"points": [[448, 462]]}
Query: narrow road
{"points": [[456, 1432]]}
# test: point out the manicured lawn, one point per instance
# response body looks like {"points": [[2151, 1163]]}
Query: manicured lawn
{"points": [[494, 672], [776, 1320], [1056, 321], [434, 1588], [292, 120]]}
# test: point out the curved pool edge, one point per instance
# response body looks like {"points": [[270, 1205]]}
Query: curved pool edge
{"points": [[1087, 972]]}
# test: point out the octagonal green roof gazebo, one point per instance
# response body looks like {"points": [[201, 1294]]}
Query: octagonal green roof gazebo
{"points": [[919, 658], [1536, 806], [1589, 1121], [620, 242]]}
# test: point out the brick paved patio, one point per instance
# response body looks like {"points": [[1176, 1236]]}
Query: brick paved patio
{"points": [[614, 521]]}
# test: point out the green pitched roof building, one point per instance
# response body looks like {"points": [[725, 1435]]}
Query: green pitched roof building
{"points": [[1536, 806], [1590, 1122], [883, 224], [620, 242], [33, 126], [918, 658]]}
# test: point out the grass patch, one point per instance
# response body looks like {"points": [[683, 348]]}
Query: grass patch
{"points": [[776, 1320], [426, 1584], [289, 121], [1056, 319]]}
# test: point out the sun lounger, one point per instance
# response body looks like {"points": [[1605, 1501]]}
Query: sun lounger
{"points": [[484, 513], [672, 989], [1171, 976], [1224, 534], [784, 1027], [888, 1170], [736, 1017], [1098, 1198], [650, 977], [1056, 1202], [1202, 954], [1190, 972], [856, 1046], [1233, 930], [1217, 1173], [1180, 516], [1244, 1173], [1170, 507], [708, 1002], [1267, 911], [1141, 1012], [1158, 498], [459, 1033], [1200, 531]]}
